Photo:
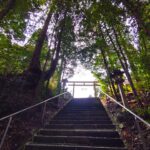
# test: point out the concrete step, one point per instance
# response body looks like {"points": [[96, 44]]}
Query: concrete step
{"points": [[36, 146], [80, 132], [80, 115], [80, 126], [83, 109], [79, 140], [80, 122], [84, 106], [83, 102], [82, 118], [78, 109], [83, 113]]}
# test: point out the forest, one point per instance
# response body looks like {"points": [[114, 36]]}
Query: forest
{"points": [[41, 42]]}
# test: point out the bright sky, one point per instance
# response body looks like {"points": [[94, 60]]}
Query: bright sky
{"points": [[81, 74]]}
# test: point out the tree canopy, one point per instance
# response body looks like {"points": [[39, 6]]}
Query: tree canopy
{"points": [[40, 38]]}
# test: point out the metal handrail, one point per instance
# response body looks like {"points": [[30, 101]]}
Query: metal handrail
{"points": [[30, 107], [135, 115], [10, 117]]}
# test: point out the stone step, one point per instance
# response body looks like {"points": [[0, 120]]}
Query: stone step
{"points": [[85, 105], [83, 109], [88, 103], [80, 122], [82, 118], [81, 115], [79, 140], [80, 126], [83, 102], [36, 146], [84, 112], [80, 132]]}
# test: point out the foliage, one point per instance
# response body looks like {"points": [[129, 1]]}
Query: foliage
{"points": [[14, 23], [145, 113], [13, 58], [103, 35], [53, 84]]}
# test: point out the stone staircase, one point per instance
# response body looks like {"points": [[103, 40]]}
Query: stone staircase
{"points": [[82, 125]]}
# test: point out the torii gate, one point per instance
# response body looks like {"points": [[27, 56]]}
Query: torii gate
{"points": [[83, 83]]}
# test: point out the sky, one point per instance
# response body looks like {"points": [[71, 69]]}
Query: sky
{"points": [[81, 74]]}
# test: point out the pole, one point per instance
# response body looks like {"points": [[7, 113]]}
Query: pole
{"points": [[73, 88], [123, 98], [94, 89], [5, 133]]}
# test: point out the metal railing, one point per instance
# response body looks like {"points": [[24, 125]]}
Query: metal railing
{"points": [[10, 117], [136, 117]]}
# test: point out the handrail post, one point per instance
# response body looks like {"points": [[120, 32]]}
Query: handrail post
{"points": [[5, 133], [43, 114], [73, 88], [122, 94], [140, 134], [94, 89]]}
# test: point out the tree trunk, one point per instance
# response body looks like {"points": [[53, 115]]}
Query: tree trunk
{"points": [[35, 61], [10, 4], [107, 69], [124, 65], [54, 62], [33, 73], [108, 73], [49, 56], [60, 76]]}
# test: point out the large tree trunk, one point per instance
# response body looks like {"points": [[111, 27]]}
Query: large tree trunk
{"points": [[50, 55], [10, 4], [35, 61], [33, 72], [54, 62], [60, 76], [46, 75]]}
